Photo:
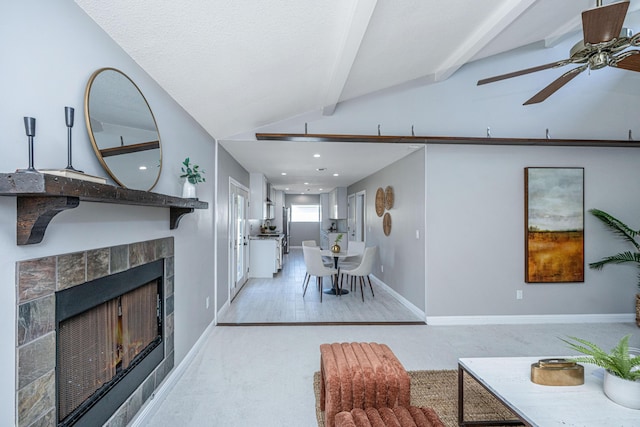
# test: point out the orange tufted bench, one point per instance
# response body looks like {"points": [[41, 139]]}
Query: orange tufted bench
{"points": [[397, 417], [360, 376]]}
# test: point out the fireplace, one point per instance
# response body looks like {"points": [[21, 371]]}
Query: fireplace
{"points": [[106, 329], [95, 333]]}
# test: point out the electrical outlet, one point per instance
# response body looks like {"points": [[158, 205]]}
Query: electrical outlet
{"points": [[382, 268], [417, 234], [206, 303], [519, 294]]}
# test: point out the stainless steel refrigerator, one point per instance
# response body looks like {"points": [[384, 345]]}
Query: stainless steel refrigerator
{"points": [[286, 220]]}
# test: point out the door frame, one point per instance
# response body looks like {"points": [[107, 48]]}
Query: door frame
{"points": [[358, 202], [232, 288]]}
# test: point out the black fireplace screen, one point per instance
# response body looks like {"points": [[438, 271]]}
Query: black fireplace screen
{"points": [[99, 346]]}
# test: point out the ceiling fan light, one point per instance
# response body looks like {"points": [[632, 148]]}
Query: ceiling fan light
{"points": [[598, 60]]}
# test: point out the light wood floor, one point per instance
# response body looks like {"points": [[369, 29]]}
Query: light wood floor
{"points": [[279, 301]]}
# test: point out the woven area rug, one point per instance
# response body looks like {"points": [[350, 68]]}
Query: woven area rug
{"points": [[439, 390]]}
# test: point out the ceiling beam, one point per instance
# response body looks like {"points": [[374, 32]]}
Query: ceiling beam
{"points": [[478, 39], [460, 140], [362, 12]]}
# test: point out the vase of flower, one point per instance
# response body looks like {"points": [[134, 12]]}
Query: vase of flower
{"points": [[189, 190], [335, 248], [193, 176]]}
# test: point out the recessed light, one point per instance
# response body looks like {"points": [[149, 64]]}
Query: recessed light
{"points": [[336, 174], [143, 168], [283, 173], [287, 189], [306, 183], [316, 155], [319, 189]]}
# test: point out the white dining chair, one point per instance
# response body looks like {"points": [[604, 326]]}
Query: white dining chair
{"points": [[355, 252], [313, 243], [363, 270], [315, 267]]}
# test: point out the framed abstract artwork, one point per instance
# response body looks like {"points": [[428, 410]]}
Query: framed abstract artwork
{"points": [[554, 225]]}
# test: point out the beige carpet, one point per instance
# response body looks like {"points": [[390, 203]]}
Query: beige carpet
{"points": [[439, 390]]}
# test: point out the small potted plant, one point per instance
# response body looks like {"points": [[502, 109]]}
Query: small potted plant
{"points": [[627, 234], [622, 369], [336, 247], [193, 176]]}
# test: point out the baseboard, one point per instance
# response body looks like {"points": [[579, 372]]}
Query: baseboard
{"points": [[529, 319], [156, 399], [222, 311], [415, 310]]}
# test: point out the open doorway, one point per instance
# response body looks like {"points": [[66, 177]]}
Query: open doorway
{"points": [[238, 238], [356, 216]]}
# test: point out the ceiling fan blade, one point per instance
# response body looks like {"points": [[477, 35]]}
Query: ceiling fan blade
{"points": [[555, 85], [601, 24], [525, 71], [630, 60]]}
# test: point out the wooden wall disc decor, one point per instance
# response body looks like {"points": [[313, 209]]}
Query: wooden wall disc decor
{"points": [[380, 201], [388, 197], [386, 224]]}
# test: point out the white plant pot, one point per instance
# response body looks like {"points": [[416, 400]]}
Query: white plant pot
{"points": [[189, 190], [623, 392]]}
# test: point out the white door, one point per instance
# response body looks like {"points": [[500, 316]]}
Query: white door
{"points": [[355, 216], [360, 216], [351, 217], [238, 240]]}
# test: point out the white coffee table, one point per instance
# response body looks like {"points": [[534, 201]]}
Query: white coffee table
{"points": [[509, 380]]}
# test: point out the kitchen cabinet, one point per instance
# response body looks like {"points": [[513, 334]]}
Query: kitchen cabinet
{"points": [[325, 222], [279, 253], [338, 203], [261, 206], [265, 256], [262, 258]]}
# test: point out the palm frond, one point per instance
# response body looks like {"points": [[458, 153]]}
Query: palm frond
{"points": [[619, 361], [618, 227], [620, 258]]}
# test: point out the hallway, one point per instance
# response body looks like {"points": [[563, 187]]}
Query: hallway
{"points": [[279, 301]]}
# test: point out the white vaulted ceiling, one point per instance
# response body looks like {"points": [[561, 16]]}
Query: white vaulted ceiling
{"points": [[237, 65]]}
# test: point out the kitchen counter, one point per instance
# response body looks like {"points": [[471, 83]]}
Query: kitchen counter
{"points": [[266, 236]]}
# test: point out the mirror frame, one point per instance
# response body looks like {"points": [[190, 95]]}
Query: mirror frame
{"points": [[131, 148]]}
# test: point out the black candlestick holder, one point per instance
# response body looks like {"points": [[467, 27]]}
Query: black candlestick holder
{"points": [[68, 117], [30, 129]]}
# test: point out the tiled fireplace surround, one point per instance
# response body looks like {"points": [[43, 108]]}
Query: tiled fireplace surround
{"points": [[37, 280]]}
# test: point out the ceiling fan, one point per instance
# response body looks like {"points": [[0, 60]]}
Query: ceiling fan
{"points": [[603, 44]]}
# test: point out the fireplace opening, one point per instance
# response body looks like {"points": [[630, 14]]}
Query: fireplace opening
{"points": [[109, 340]]}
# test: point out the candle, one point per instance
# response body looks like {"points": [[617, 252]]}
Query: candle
{"points": [[30, 126]]}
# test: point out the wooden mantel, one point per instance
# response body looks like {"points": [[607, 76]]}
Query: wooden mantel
{"points": [[40, 197], [455, 140]]}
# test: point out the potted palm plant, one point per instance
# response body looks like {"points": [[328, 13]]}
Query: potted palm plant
{"points": [[193, 176], [626, 233], [622, 369]]}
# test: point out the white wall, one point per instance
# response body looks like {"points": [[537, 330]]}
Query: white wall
{"points": [[401, 255], [48, 51], [475, 231]]}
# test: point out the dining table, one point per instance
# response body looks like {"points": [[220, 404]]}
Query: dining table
{"points": [[336, 258]]}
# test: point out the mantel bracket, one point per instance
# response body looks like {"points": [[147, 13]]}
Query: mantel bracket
{"points": [[176, 214], [35, 213]]}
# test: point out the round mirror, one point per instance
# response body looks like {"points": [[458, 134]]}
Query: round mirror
{"points": [[122, 129]]}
